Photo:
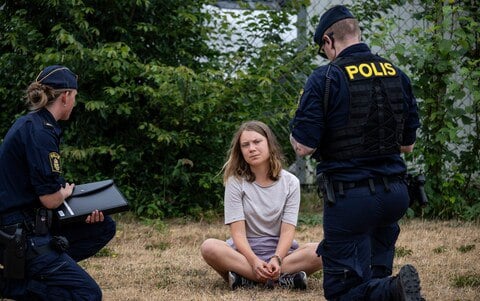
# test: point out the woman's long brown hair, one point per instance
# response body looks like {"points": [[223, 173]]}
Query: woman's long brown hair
{"points": [[236, 164]]}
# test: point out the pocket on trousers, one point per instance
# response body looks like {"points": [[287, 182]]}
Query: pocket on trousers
{"points": [[44, 263], [341, 268]]}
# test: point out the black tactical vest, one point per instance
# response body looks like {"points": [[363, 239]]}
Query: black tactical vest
{"points": [[376, 113]]}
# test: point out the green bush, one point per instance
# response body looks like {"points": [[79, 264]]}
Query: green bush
{"points": [[157, 104]]}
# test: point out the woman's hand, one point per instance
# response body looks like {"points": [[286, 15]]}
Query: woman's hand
{"points": [[261, 270], [52, 201], [67, 190], [95, 217], [274, 268]]}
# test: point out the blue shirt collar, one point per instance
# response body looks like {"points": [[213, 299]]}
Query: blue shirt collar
{"points": [[50, 120], [48, 116]]}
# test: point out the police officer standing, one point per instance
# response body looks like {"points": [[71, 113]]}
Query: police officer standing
{"points": [[37, 262], [355, 117]]}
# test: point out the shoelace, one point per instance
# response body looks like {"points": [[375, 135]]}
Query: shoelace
{"points": [[287, 280], [245, 282]]}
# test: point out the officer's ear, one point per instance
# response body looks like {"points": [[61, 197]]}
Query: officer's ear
{"points": [[64, 98], [66, 93], [327, 39]]}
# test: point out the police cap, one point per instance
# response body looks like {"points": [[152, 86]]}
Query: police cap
{"points": [[331, 16], [58, 77]]}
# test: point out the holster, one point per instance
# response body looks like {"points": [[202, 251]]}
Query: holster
{"points": [[14, 251], [326, 186], [13, 242]]}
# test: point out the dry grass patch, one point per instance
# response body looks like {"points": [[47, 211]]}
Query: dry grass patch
{"points": [[161, 261]]}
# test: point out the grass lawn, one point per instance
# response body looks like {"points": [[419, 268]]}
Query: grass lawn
{"points": [[161, 261]]}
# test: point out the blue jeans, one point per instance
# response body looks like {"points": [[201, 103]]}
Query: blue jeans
{"points": [[56, 275], [360, 231]]}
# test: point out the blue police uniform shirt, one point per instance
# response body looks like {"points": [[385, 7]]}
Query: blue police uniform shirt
{"points": [[30, 161], [309, 122]]}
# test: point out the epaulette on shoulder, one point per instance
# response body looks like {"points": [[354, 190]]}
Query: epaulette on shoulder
{"points": [[48, 125]]}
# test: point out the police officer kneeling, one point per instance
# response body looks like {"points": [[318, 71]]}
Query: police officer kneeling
{"points": [[355, 117], [39, 257]]}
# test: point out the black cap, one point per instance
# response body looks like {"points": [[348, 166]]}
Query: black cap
{"points": [[331, 16], [58, 77]]}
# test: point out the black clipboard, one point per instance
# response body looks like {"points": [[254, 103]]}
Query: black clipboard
{"points": [[103, 195]]}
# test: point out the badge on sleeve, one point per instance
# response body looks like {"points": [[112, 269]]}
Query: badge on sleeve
{"points": [[55, 161]]}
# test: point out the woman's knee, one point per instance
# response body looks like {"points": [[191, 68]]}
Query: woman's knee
{"points": [[89, 291], [309, 249], [61, 279], [110, 227], [209, 248], [312, 246], [97, 294]]}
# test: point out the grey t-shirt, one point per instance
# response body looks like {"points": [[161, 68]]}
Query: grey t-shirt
{"points": [[263, 208]]}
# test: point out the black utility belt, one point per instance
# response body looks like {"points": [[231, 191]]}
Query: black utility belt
{"points": [[38, 221], [340, 186]]}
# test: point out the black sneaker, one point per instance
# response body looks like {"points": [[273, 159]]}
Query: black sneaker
{"points": [[235, 281], [408, 284], [296, 280]]}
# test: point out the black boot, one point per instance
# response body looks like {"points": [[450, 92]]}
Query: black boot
{"points": [[407, 286]]}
